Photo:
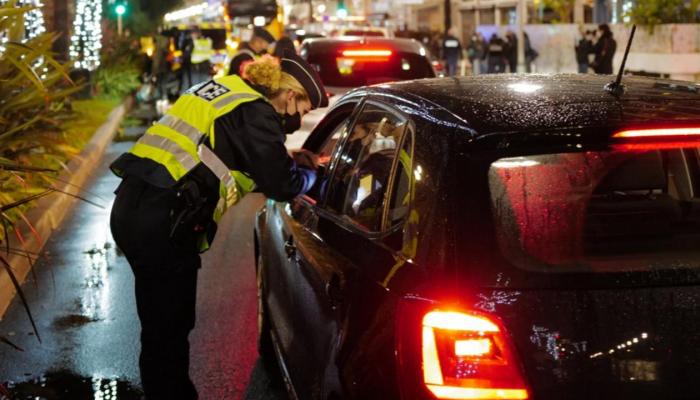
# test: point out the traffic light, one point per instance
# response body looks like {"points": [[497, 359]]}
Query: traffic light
{"points": [[120, 8], [341, 11]]}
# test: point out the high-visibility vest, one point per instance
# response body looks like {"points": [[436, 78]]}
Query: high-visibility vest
{"points": [[177, 141], [202, 50]]}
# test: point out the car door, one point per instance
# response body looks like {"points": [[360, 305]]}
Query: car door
{"points": [[339, 238], [284, 232]]}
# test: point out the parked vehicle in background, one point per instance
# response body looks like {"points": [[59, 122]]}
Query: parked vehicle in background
{"points": [[363, 32], [346, 63], [499, 237], [349, 62]]}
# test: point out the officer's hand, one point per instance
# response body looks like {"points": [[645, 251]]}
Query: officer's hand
{"points": [[305, 158]]}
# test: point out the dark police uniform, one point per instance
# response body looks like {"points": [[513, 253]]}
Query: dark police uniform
{"points": [[245, 52], [220, 140]]}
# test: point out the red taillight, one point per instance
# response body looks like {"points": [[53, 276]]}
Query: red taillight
{"points": [[467, 356], [656, 138], [658, 133], [367, 53]]}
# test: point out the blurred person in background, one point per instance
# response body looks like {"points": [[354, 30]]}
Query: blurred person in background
{"points": [[186, 45], [282, 46], [159, 65], [251, 50], [511, 51], [475, 51], [604, 51], [201, 55], [495, 55], [583, 48], [530, 53], [451, 52]]}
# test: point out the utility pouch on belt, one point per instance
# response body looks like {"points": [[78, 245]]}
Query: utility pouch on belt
{"points": [[190, 215]]}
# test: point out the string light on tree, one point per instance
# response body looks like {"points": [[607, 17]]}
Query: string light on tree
{"points": [[33, 20], [86, 41]]}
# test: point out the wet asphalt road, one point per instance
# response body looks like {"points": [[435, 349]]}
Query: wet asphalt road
{"points": [[84, 307]]}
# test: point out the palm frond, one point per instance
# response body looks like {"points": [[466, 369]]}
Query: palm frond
{"points": [[20, 293], [25, 200]]}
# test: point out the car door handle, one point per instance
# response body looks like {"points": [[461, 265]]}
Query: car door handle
{"points": [[334, 291], [289, 248]]}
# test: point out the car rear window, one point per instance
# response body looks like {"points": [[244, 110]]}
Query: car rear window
{"points": [[598, 212], [347, 71]]}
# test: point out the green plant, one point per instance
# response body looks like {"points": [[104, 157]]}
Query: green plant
{"points": [[120, 69], [650, 13], [562, 8], [34, 88], [117, 80]]}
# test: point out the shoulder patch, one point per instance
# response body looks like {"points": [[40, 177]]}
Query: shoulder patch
{"points": [[211, 91]]}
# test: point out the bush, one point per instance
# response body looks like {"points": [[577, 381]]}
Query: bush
{"points": [[117, 80], [120, 70], [650, 13], [33, 90]]}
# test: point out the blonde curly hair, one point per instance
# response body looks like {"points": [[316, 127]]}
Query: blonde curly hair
{"points": [[267, 72]]}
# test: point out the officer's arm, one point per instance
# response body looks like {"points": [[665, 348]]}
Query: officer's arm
{"points": [[254, 132]]}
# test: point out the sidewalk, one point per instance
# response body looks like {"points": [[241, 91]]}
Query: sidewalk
{"points": [[79, 302]]}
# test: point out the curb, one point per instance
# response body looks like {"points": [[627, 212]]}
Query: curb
{"points": [[49, 211]]}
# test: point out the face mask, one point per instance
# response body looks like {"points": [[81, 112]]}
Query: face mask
{"points": [[291, 122]]}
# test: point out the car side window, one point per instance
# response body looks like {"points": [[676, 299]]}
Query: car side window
{"points": [[363, 171], [325, 153], [326, 145], [403, 184]]}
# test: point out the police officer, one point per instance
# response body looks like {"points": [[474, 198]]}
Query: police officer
{"points": [[252, 49], [222, 139], [451, 52], [202, 51]]}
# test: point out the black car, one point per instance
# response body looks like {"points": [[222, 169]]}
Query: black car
{"points": [[345, 63], [500, 237]]}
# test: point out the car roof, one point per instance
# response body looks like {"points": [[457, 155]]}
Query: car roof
{"points": [[505, 103], [396, 44]]}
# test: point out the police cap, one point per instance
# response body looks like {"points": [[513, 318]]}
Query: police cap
{"points": [[308, 77], [263, 34]]}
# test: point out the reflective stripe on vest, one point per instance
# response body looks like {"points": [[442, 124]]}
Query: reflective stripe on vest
{"points": [[182, 127], [228, 100]]}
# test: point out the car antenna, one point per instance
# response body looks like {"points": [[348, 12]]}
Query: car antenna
{"points": [[616, 88]]}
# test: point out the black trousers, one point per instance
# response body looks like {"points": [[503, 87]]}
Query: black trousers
{"points": [[185, 71], [165, 283]]}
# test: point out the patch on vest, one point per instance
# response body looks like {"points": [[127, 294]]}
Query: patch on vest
{"points": [[211, 91]]}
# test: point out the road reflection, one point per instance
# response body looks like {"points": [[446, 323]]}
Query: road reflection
{"points": [[64, 385]]}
